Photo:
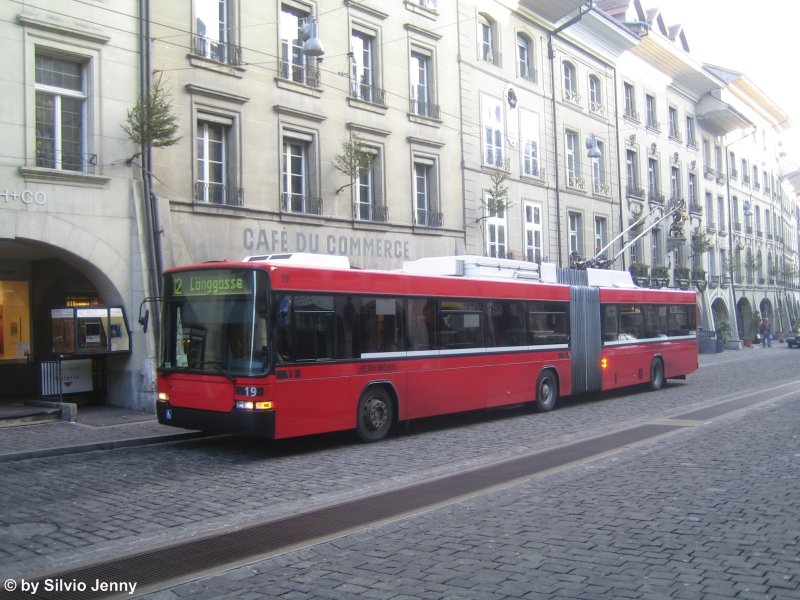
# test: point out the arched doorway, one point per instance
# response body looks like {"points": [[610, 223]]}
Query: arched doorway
{"points": [[744, 319], [765, 308], [722, 319], [36, 279]]}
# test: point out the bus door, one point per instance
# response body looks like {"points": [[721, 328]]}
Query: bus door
{"points": [[311, 388], [585, 338]]}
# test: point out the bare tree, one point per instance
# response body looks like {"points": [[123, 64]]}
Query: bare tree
{"points": [[497, 203], [352, 159]]}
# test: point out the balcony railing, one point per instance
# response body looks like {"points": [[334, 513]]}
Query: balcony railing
{"points": [[532, 169], [218, 193], [428, 218], [424, 109], [299, 73], [654, 125], [602, 188], [695, 208], [635, 191], [221, 52], [301, 204], [597, 108], [365, 211], [367, 93], [632, 114], [576, 181], [572, 96]]}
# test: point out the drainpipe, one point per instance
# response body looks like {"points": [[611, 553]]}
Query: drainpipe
{"points": [[460, 141], [551, 57], [150, 200], [622, 228]]}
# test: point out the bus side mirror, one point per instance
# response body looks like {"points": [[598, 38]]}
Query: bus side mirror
{"points": [[144, 314]]}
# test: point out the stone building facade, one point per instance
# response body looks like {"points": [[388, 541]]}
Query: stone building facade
{"points": [[543, 130], [72, 249]]}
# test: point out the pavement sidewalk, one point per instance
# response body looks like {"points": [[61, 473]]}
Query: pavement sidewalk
{"points": [[94, 428]]}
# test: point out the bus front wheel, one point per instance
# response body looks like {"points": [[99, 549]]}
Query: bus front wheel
{"points": [[546, 391], [375, 414], [656, 374]]}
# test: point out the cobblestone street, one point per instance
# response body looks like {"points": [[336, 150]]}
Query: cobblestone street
{"points": [[707, 511]]}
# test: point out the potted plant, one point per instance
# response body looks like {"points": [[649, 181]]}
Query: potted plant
{"points": [[681, 276], [723, 333], [641, 274], [660, 275], [699, 279]]}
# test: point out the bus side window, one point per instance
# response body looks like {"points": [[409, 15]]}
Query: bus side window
{"points": [[610, 323], [505, 323], [678, 319], [463, 324], [631, 323], [655, 321], [548, 323], [282, 322], [311, 329], [348, 336], [421, 323]]}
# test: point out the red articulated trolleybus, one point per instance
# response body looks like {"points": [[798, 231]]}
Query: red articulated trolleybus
{"points": [[277, 347]]}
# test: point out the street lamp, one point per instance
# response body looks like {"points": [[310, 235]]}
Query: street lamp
{"points": [[591, 146], [312, 45]]}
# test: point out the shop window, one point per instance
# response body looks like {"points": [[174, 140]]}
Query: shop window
{"points": [[15, 320]]}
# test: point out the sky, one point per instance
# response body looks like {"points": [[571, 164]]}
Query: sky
{"points": [[757, 38]]}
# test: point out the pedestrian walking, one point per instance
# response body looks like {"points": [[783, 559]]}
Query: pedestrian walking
{"points": [[766, 333]]}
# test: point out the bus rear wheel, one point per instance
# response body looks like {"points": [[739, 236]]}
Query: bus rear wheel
{"points": [[656, 374], [546, 391], [375, 415]]}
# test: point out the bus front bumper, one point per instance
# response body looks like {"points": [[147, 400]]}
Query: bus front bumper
{"points": [[254, 423]]}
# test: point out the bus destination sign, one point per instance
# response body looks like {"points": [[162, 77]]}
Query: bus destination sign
{"points": [[210, 283]]}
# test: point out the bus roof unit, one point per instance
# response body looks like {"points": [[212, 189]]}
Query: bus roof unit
{"points": [[308, 259]]}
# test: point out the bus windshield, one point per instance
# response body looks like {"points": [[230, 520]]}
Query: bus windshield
{"points": [[215, 321]]}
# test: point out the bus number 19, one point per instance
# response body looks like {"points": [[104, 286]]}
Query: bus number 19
{"points": [[250, 391]]}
